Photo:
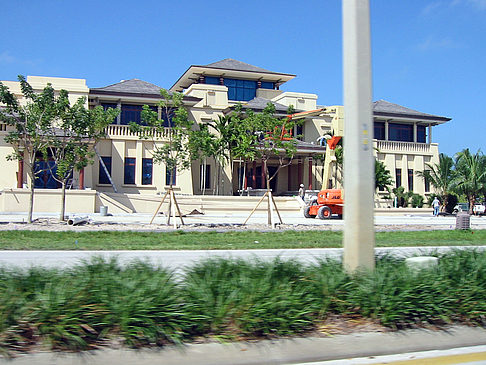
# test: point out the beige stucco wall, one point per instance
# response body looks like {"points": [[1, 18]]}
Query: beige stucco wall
{"points": [[48, 200], [77, 88]]}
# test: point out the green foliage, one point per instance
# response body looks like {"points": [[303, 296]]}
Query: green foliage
{"points": [[417, 200], [175, 151], [142, 305], [402, 196], [470, 172], [383, 179]]}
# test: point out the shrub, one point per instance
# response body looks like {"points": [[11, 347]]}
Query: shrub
{"points": [[417, 201]]}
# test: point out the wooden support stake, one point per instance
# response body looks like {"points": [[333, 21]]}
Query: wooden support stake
{"points": [[178, 209], [158, 208], [276, 209], [253, 211]]}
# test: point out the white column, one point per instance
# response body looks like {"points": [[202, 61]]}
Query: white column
{"points": [[119, 107], [415, 132], [359, 236], [430, 134], [386, 130]]}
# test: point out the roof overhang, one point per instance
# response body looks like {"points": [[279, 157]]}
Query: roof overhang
{"points": [[116, 95], [432, 119], [193, 73]]}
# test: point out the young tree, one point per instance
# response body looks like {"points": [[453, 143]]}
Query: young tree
{"points": [[470, 175], [269, 139], [73, 138], [30, 122], [172, 132], [202, 144], [383, 179], [441, 176]]}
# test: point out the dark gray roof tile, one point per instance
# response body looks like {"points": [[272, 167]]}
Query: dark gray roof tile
{"points": [[231, 64], [260, 104], [134, 86], [383, 107]]}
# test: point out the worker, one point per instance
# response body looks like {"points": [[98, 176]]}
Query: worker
{"points": [[436, 205], [302, 191]]}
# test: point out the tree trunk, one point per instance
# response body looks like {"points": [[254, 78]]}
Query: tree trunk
{"points": [[472, 201], [267, 180], [63, 201], [31, 199]]}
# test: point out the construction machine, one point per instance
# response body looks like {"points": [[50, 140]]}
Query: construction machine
{"points": [[329, 200]]}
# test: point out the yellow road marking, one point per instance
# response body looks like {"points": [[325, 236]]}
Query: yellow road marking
{"points": [[442, 360]]}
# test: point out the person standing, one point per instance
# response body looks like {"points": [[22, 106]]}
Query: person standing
{"points": [[302, 191], [436, 205]]}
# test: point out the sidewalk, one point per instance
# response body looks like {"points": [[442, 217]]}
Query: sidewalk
{"points": [[285, 351]]}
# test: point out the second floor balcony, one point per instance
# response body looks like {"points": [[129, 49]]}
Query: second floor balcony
{"points": [[115, 131], [405, 147]]}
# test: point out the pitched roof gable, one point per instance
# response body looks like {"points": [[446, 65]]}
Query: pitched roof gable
{"points": [[231, 64], [134, 86], [385, 108]]}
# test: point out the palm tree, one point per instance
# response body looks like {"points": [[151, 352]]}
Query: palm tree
{"points": [[441, 176], [383, 179], [470, 175]]}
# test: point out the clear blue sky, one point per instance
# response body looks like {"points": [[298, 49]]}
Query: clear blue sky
{"points": [[427, 55]]}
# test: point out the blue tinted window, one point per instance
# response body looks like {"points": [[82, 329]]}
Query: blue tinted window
{"points": [[129, 171], [170, 176], [400, 132], [108, 106], [379, 131], [103, 177], [268, 85], [132, 113], [212, 80], [44, 175], [241, 90], [147, 168], [421, 134]]}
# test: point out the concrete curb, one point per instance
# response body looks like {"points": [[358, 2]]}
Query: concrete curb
{"points": [[284, 351]]}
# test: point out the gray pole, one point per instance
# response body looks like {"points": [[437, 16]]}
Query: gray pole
{"points": [[359, 236]]}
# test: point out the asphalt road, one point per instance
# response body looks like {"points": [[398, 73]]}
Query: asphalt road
{"points": [[178, 260]]}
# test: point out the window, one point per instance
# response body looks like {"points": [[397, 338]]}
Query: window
{"points": [[299, 132], [44, 175], [129, 171], [132, 113], [379, 130], [103, 177], [170, 176], [167, 118], [427, 183], [400, 132], [212, 80], [241, 90], [205, 176], [410, 180], [268, 85], [421, 134], [398, 178], [107, 106], [147, 169]]}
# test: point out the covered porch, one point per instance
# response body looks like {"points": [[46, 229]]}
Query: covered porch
{"points": [[249, 178]]}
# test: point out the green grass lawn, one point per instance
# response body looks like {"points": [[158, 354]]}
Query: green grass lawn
{"points": [[180, 240]]}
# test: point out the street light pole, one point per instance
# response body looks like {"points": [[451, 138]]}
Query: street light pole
{"points": [[359, 236]]}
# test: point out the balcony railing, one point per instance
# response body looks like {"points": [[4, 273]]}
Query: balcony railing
{"points": [[123, 132], [403, 147]]}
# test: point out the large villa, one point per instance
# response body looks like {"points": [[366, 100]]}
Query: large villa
{"points": [[402, 136]]}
